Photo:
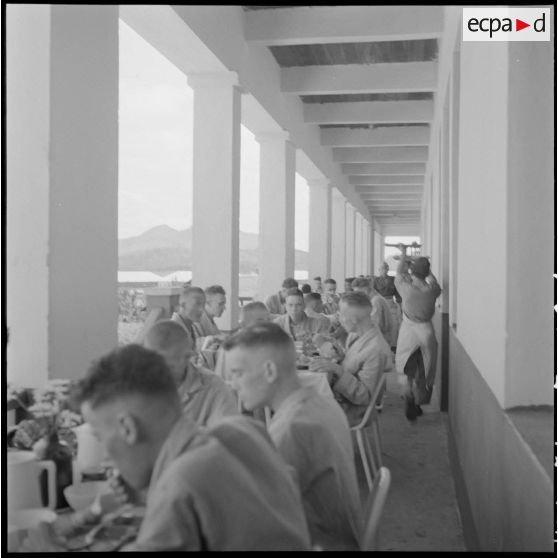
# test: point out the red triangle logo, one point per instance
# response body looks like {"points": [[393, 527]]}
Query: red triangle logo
{"points": [[519, 25]]}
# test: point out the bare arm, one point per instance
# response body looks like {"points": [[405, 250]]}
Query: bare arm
{"points": [[402, 266]]}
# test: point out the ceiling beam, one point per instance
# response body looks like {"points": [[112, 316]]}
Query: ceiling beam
{"points": [[380, 154], [382, 180], [336, 79], [377, 137], [383, 168], [369, 112], [391, 190], [342, 24]]}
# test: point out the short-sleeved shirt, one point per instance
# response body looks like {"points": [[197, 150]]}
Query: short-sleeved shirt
{"points": [[221, 488], [418, 297], [205, 397], [312, 434]]}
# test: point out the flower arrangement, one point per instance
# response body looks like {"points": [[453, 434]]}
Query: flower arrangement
{"points": [[48, 415]]}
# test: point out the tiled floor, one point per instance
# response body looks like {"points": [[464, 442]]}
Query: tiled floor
{"points": [[421, 512]]}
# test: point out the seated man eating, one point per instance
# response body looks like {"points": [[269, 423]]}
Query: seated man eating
{"points": [[310, 431], [205, 397], [276, 302], [295, 322], [221, 488], [367, 357]]}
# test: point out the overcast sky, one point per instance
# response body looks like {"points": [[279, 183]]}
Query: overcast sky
{"points": [[155, 142]]}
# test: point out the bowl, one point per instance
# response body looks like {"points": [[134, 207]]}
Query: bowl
{"points": [[81, 496]]}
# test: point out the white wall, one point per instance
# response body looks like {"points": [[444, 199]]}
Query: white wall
{"points": [[530, 242], [27, 178], [482, 219]]}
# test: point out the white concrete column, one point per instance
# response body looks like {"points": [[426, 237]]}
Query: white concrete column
{"points": [[358, 244], [378, 249], [216, 196], [62, 188], [277, 211], [368, 257], [349, 240], [319, 260], [338, 231]]}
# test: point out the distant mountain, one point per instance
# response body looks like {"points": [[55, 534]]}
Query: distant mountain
{"points": [[163, 250]]}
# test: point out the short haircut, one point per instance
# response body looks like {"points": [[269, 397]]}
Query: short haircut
{"points": [[165, 335], [356, 299], [420, 267], [318, 278], [289, 283], [360, 283], [251, 308], [259, 335], [349, 279], [128, 370], [187, 291], [294, 292], [215, 289], [331, 281], [312, 296], [306, 288]]}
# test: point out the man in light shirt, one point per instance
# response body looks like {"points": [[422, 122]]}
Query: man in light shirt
{"points": [[204, 396], [310, 431], [381, 314], [367, 357], [189, 312], [313, 306], [330, 298], [295, 322], [215, 304], [276, 302], [417, 347]]}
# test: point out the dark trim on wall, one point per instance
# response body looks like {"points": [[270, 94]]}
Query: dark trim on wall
{"points": [[470, 536], [444, 369]]}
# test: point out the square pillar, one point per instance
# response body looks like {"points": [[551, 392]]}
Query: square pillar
{"points": [[277, 211], [62, 188], [358, 243], [216, 195], [320, 228], [349, 240], [338, 230]]}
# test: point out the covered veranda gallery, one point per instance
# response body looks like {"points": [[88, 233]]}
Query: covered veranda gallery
{"points": [[398, 126]]}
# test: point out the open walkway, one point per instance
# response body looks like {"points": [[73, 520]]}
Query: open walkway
{"points": [[421, 512]]}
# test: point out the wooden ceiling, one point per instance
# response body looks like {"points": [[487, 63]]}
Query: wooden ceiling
{"points": [[371, 95]]}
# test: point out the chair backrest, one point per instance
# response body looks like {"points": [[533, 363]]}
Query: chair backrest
{"points": [[374, 509], [372, 405]]}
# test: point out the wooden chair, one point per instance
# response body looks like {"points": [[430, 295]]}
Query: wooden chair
{"points": [[374, 509], [370, 450]]}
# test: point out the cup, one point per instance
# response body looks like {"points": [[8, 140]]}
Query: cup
{"points": [[21, 521]]}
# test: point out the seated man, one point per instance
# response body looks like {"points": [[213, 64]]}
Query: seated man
{"points": [[348, 284], [384, 284], [310, 431], [367, 357], [417, 347], [191, 305], [221, 488], [295, 322], [276, 303], [205, 397], [330, 299], [313, 307], [215, 304], [317, 285], [381, 314]]}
